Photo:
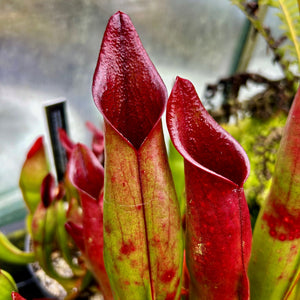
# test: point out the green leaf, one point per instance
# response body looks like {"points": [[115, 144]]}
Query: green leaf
{"points": [[11, 254], [45, 222], [34, 169], [7, 285], [44, 225], [63, 239], [177, 167], [275, 261], [289, 15]]}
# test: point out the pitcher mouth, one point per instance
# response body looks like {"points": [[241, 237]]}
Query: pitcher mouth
{"points": [[200, 139]]}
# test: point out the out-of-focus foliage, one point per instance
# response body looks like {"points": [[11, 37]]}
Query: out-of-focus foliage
{"points": [[260, 139], [7, 285]]}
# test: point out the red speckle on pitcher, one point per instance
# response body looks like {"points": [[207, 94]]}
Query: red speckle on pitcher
{"points": [[127, 248], [282, 225], [168, 276]]}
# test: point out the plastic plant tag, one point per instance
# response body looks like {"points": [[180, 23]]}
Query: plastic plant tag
{"points": [[55, 111]]}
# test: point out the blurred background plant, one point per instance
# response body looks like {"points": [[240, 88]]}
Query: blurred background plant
{"points": [[58, 261], [256, 120]]}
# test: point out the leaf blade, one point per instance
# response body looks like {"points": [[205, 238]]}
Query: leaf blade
{"points": [[34, 169], [277, 228], [12, 254], [7, 285]]}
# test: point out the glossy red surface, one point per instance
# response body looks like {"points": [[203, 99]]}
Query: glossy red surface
{"points": [[218, 233], [126, 86]]}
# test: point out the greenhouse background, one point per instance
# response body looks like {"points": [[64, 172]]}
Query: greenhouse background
{"points": [[49, 50]]}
